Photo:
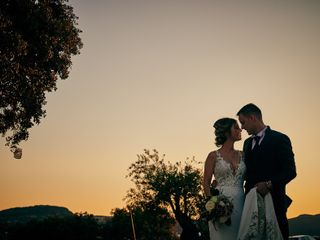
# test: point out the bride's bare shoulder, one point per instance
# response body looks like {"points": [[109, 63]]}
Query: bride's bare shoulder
{"points": [[212, 156]]}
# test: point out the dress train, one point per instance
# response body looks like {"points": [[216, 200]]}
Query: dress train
{"points": [[258, 220]]}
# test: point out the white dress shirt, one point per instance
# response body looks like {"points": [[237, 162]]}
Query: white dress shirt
{"points": [[259, 134]]}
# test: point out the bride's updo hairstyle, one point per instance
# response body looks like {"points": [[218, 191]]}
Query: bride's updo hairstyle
{"points": [[222, 129]]}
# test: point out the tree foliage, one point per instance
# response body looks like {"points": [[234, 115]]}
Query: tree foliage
{"points": [[37, 40], [150, 222], [176, 186]]}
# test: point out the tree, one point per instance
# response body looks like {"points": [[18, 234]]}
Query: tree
{"points": [[37, 40], [149, 222], [119, 226], [175, 186]]}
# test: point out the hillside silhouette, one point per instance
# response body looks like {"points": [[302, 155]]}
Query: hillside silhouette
{"points": [[38, 212], [305, 224]]}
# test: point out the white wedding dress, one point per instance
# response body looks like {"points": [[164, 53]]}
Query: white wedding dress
{"points": [[259, 221], [230, 184]]}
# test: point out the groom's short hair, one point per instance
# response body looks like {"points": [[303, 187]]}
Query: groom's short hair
{"points": [[250, 109]]}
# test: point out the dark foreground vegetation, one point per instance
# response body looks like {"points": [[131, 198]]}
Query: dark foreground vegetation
{"points": [[87, 227]]}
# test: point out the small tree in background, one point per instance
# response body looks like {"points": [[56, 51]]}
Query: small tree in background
{"points": [[37, 40], [176, 187], [119, 226], [150, 222]]}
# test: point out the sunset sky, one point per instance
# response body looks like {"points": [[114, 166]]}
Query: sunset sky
{"points": [[157, 74]]}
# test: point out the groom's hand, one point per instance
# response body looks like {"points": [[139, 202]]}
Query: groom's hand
{"points": [[262, 188]]}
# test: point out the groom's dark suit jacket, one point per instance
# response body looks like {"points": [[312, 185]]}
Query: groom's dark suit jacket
{"points": [[272, 160]]}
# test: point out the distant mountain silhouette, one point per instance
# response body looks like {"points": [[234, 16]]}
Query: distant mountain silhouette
{"points": [[305, 224], [25, 214]]}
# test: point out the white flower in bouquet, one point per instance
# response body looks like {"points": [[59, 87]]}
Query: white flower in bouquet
{"points": [[211, 203]]}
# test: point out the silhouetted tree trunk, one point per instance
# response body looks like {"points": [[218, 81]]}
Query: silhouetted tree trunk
{"points": [[189, 229]]}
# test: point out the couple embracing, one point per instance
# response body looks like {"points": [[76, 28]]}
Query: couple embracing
{"points": [[264, 167]]}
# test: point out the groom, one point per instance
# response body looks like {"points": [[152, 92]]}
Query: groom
{"points": [[269, 160]]}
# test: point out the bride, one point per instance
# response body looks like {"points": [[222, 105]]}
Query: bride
{"points": [[227, 167]]}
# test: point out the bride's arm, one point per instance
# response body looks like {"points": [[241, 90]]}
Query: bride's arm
{"points": [[208, 172]]}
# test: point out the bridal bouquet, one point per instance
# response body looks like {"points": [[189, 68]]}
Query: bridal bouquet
{"points": [[219, 208]]}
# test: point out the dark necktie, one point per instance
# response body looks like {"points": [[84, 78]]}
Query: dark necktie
{"points": [[256, 139]]}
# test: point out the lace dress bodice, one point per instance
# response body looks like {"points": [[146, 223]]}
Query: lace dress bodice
{"points": [[225, 175]]}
